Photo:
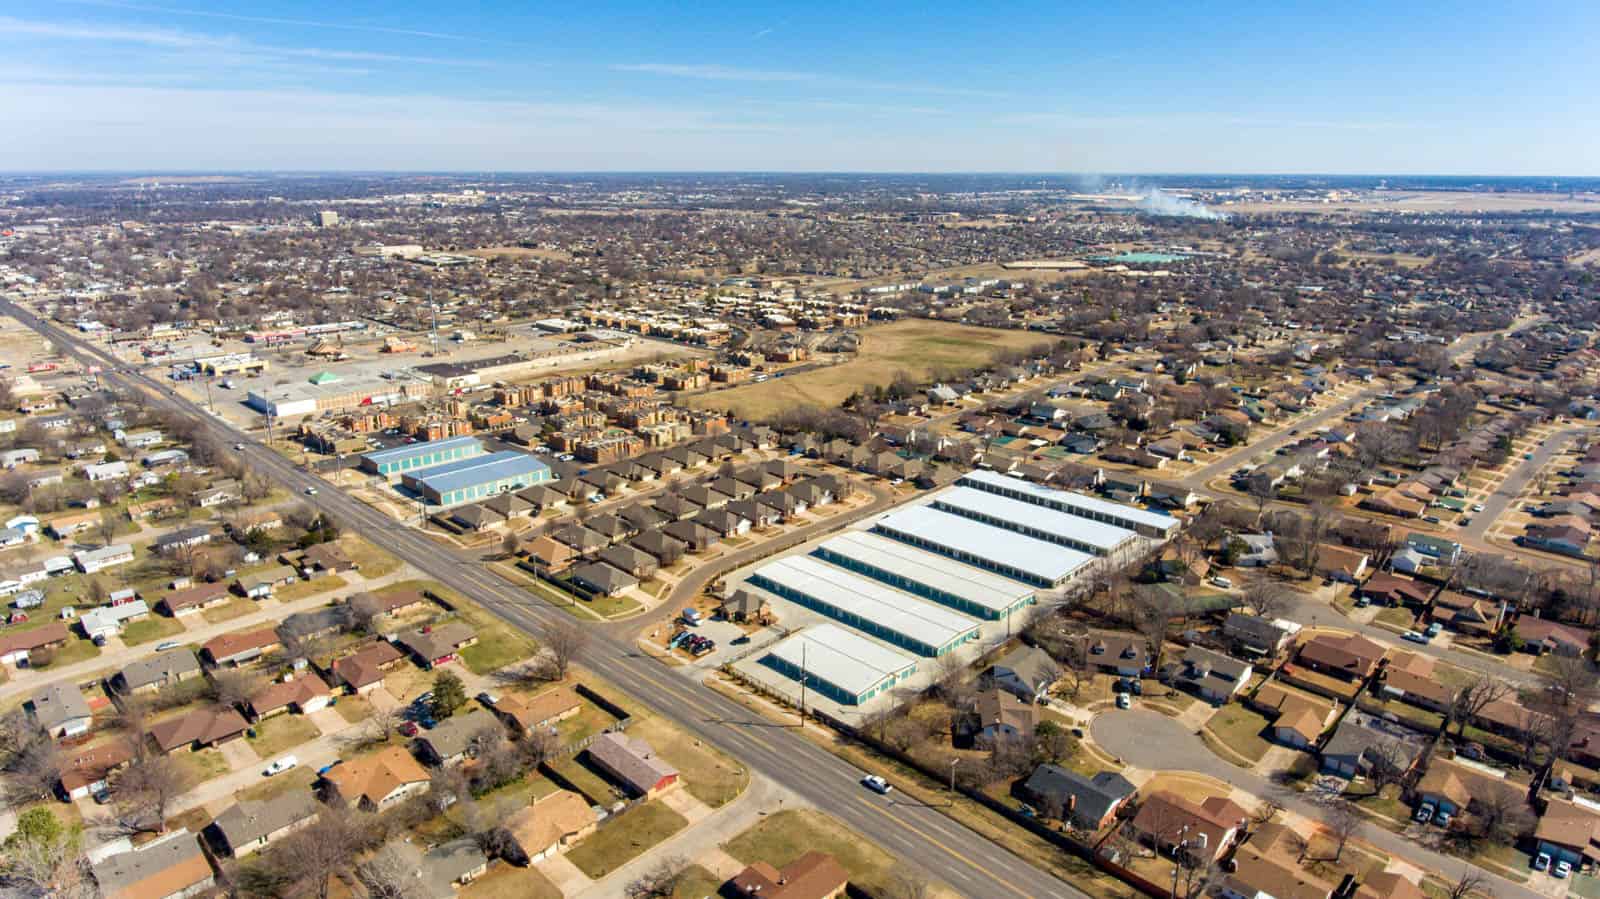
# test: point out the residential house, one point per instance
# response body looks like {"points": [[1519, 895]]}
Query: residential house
{"points": [[1568, 831], [172, 866], [541, 712], [1026, 671], [598, 577], [1206, 829], [302, 692], [198, 729], [1349, 657], [1256, 636], [1260, 550], [744, 607], [1392, 590], [1267, 864], [252, 825], [1297, 720], [1121, 654], [379, 780], [1341, 563], [261, 584], [60, 710], [1362, 741], [633, 763], [90, 561], [458, 737], [1213, 676], [1541, 635], [997, 715], [181, 603], [815, 875], [240, 646], [150, 674], [550, 826], [88, 772], [1087, 803], [364, 670]]}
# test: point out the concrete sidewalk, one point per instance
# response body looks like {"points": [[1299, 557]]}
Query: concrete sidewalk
{"points": [[702, 840]]}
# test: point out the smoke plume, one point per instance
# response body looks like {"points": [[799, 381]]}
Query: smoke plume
{"points": [[1158, 202]]}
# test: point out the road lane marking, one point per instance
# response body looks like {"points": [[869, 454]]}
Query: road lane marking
{"points": [[948, 851]]}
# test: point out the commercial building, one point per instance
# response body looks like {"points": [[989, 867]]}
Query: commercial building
{"points": [[478, 477], [308, 398], [1150, 524], [1004, 552], [415, 456], [1041, 522], [964, 588], [867, 605], [839, 664]]}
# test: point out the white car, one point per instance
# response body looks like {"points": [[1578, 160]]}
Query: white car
{"points": [[1220, 581], [280, 766], [166, 645], [311, 491], [1124, 701], [877, 784]]}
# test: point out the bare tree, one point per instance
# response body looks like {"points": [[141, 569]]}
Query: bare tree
{"points": [[389, 874], [1268, 598], [658, 881], [27, 758], [234, 686], [324, 849], [563, 640], [906, 882], [145, 789], [1501, 815], [1473, 697], [1343, 822], [1471, 883]]}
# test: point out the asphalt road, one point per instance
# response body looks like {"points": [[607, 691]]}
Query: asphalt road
{"points": [[1153, 741], [922, 837], [1501, 499]]}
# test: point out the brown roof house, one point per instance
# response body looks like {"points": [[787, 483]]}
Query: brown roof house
{"points": [[815, 875], [378, 781], [634, 764], [1351, 657], [538, 712], [241, 646], [550, 826], [302, 692], [198, 729], [438, 644], [172, 866], [1207, 829], [364, 670]]}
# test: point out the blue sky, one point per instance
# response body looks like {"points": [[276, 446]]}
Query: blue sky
{"points": [[1469, 87]]}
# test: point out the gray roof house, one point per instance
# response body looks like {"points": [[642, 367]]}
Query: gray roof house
{"points": [[451, 742], [1088, 803], [1027, 671], [601, 578], [1212, 675], [1257, 635], [155, 672], [252, 825], [633, 763], [1362, 741], [59, 710]]}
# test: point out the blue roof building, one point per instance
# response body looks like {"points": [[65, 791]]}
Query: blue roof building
{"points": [[477, 477]]}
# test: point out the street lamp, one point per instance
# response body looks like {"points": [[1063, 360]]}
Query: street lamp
{"points": [[953, 763]]}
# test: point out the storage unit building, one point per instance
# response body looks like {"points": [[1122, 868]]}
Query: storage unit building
{"points": [[1004, 552], [478, 477], [966, 589], [839, 663]]}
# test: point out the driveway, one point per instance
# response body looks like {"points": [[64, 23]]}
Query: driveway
{"points": [[1152, 741]]}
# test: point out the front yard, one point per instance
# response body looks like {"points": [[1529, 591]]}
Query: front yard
{"points": [[1240, 730], [625, 837], [282, 733], [154, 627]]}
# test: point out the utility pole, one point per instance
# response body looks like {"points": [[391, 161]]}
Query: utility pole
{"points": [[953, 763], [802, 682]]}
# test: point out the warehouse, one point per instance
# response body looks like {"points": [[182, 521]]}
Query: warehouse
{"points": [[964, 588], [867, 605], [995, 549], [477, 477], [417, 456], [839, 664], [1150, 524], [1041, 522], [309, 398]]}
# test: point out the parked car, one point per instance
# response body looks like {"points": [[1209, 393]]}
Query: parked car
{"points": [[1541, 862], [1220, 581], [165, 645], [1124, 701], [1477, 507], [408, 729], [1433, 630], [280, 766], [1432, 519], [1424, 813], [876, 784], [1414, 637], [1563, 869], [311, 491]]}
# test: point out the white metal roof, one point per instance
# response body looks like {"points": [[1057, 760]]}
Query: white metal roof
{"points": [[1049, 561], [891, 609], [1068, 499], [842, 657], [1087, 531], [980, 587]]}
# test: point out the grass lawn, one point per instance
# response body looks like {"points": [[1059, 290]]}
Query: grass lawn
{"points": [[498, 644], [233, 609], [653, 587], [580, 777], [708, 775], [371, 561], [353, 709], [301, 589], [155, 627], [198, 767], [625, 837], [281, 733], [591, 719], [1399, 616], [510, 882], [300, 778], [73, 651], [781, 838], [1240, 729], [695, 882], [919, 348]]}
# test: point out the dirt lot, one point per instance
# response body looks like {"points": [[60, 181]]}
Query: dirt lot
{"points": [[919, 348]]}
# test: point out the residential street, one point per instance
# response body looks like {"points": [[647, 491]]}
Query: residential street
{"points": [[1155, 742]]}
